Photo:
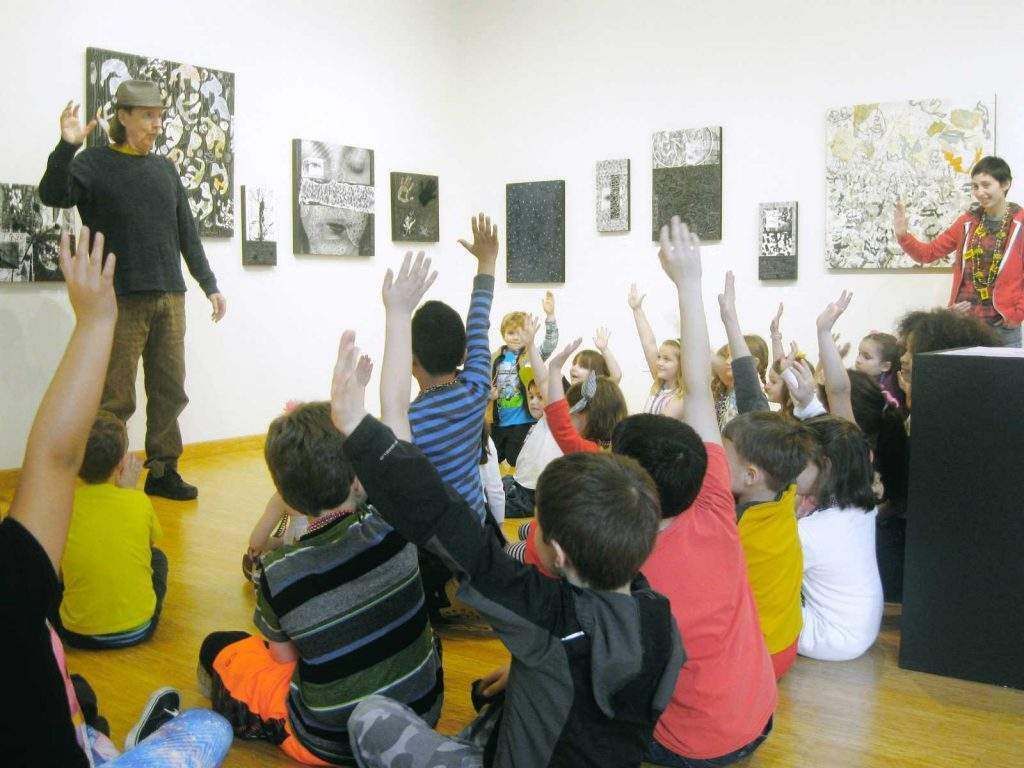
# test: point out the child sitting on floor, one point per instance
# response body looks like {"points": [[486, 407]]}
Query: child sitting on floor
{"points": [[842, 592], [723, 384], [594, 654], [114, 578], [878, 355], [341, 610], [539, 449], [666, 396]]}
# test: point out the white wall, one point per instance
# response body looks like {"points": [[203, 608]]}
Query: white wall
{"points": [[484, 94]]}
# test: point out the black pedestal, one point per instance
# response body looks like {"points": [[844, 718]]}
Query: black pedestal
{"points": [[963, 595]]}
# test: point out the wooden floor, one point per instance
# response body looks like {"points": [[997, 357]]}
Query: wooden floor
{"points": [[862, 713]]}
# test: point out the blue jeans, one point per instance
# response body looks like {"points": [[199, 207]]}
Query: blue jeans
{"points": [[1011, 336], [659, 755], [197, 738]]}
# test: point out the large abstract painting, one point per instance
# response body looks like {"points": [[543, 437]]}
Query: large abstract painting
{"points": [[414, 208], [613, 196], [535, 217], [30, 235], [688, 180], [332, 199], [920, 151], [777, 259], [198, 126], [259, 227]]}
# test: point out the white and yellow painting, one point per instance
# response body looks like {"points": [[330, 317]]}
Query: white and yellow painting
{"points": [[918, 151]]}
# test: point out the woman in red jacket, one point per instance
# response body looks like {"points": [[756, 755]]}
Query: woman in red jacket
{"points": [[988, 274]]}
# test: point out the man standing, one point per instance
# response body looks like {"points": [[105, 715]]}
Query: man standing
{"points": [[136, 199]]}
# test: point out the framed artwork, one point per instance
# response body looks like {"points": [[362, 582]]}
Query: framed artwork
{"points": [[613, 196], [777, 229], [535, 218], [688, 180], [332, 199], [919, 151], [198, 130], [259, 226], [414, 208], [30, 236]]}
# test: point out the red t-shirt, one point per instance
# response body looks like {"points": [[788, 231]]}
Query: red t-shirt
{"points": [[726, 689]]}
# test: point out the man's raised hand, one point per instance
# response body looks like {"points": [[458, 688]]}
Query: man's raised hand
{"points": [[90, 281], [348, 386], [680, 253], [485, 242], [899, 219], [404, 292], [71, 129]]}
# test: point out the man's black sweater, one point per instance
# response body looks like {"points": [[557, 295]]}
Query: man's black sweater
{"points": [[140, 206]]}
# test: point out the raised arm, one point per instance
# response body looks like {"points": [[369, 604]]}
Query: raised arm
{"points": [[643, 328], [476, 372], [557, 409], [680, 258], [924, 253], [601, 337], [401, 295], [537, 364], [57, 187], [56, 443], [837, 380], [749, 393], [550, 326], [778, 348]]}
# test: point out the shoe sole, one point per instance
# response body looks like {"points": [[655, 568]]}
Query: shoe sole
{"points": [[132, 739]]}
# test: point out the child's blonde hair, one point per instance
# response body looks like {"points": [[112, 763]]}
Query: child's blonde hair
{"points": [[678, 390], [513, 321]]}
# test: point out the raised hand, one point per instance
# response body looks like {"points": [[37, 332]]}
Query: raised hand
{"points": [[71, 129], [90, 280], [601, 336], [635, 298], [485, 240], [800, 382], [404, 292], [556, 361], [548, 304], [775, 328], [680, 253], [844, 347], [348, 386], [128, 477], [530, 327], [828, 317], [899, 219], [727, 298]]}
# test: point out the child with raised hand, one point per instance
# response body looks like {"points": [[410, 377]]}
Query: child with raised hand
{"points": [[511, 420], [666, 396], [114, 578], [597, 639], [601, 361], [48, 722], [878, 355]]}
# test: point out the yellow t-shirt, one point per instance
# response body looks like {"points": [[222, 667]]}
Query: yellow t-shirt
{"points": [[775, 567], [108, 579]]}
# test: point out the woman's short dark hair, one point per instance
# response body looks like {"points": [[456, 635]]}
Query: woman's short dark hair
{"points": [[995, 167], [603, 511], [106, 446], [847, 476], [937, 329]]}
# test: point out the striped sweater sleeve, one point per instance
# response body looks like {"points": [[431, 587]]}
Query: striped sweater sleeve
{"points": [[476, 374]]}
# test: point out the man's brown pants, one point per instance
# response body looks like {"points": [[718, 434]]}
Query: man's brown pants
{"points": [[150, 326]]}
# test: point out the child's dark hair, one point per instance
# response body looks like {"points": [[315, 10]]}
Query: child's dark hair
{"points": [[106, 446], [603, 511], [937, 329], [889, 349], [883, 425], [671, 452], [995, 167], [846, 473], [604, 411], [438, 338], [592, 360], [774, 442], [306, 458]]}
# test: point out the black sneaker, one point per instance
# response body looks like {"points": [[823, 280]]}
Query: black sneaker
{"points": [[170, 486], [162, 707]]}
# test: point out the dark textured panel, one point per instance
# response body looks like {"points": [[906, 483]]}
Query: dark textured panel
{"points": [[535, 217], [414, 208], [694, 194]]}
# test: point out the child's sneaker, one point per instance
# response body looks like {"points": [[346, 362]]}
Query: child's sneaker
{"points": [[162, 707]]}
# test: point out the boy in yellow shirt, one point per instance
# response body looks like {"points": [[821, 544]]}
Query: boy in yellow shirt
{"points": [[114, 579], [769, 455]]}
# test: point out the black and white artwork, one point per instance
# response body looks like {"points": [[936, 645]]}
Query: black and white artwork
{"points": [[688, 180], [414, 208], [613, 196], [332, 199], [259, 226], [778, 248], [30, 235], [198, 126], [535, 218]]}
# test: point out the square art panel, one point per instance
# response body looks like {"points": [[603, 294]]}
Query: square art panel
{"points": [[535, 217], [920, 151], [198, 130], [259, 226], [688, 180], [613, 196], [778, 236], [30, 236], [332, 199], [414, 208]]}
